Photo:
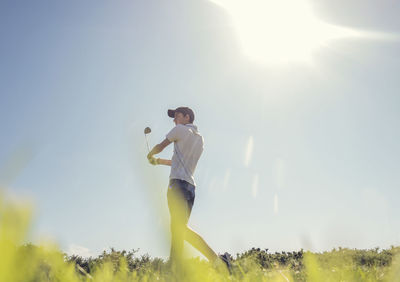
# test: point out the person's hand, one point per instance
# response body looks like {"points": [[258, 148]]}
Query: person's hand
{"points": [[153, 160]]}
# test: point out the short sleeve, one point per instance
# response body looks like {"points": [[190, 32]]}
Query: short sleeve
{"points": [[175, 134]]}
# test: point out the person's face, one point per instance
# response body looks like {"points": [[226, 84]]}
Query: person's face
{"points": [[181, 119]]}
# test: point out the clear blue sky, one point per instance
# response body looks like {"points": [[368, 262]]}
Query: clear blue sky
{"points": [[296, 155]]}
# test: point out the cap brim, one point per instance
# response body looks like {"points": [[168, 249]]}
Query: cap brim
{"points": [[171, 113]]}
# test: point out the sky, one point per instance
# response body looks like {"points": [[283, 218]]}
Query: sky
{"points": [[298, 107]]}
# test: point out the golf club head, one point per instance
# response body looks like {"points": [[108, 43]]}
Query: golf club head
{"points": [[147, 130]]}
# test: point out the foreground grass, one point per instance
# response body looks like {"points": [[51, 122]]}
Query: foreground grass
{"points": [[27, 262], [46, 263]]}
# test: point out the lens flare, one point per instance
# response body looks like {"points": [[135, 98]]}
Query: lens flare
{"points": [[249, 151]]}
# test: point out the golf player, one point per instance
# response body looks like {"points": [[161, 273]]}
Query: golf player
{"points": [[188, 146]]}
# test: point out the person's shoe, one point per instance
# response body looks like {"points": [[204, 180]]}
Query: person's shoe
{"points": [[226, 258]]}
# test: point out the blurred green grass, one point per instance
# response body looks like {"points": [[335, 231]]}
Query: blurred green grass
{"points": [[46, 262]]}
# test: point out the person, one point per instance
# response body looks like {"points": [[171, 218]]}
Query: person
{"points": [[188, 147]]}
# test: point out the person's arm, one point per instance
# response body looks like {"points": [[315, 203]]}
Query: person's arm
{"points": [[158, 148], [164, 162]]}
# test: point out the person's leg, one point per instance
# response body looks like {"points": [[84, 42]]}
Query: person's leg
{"points": [[181, 196], [177, 208], [177, 240], [198, 242], [190, 235]]}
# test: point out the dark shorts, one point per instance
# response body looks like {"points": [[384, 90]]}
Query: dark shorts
{"points": [[180, 197]]}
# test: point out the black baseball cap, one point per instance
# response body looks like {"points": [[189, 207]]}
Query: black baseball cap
{"points": [[184, 110]]}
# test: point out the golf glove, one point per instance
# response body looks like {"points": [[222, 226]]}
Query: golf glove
{"points": [[153, 161]]}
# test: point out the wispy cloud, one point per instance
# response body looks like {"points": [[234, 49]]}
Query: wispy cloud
{"points": [[74, 249]]}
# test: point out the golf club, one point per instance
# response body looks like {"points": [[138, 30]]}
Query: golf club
{"points": [[147, 130]]}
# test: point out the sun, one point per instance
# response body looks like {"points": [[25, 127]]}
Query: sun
{"points": [[280, 31]]}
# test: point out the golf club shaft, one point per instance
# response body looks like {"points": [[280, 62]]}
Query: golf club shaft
{"points": [[147, 142]]}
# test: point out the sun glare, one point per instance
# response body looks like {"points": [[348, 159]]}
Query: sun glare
{"points": [[281, 31]]}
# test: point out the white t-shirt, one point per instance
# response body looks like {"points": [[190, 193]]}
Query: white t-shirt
{"points": [[188, 146]]}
